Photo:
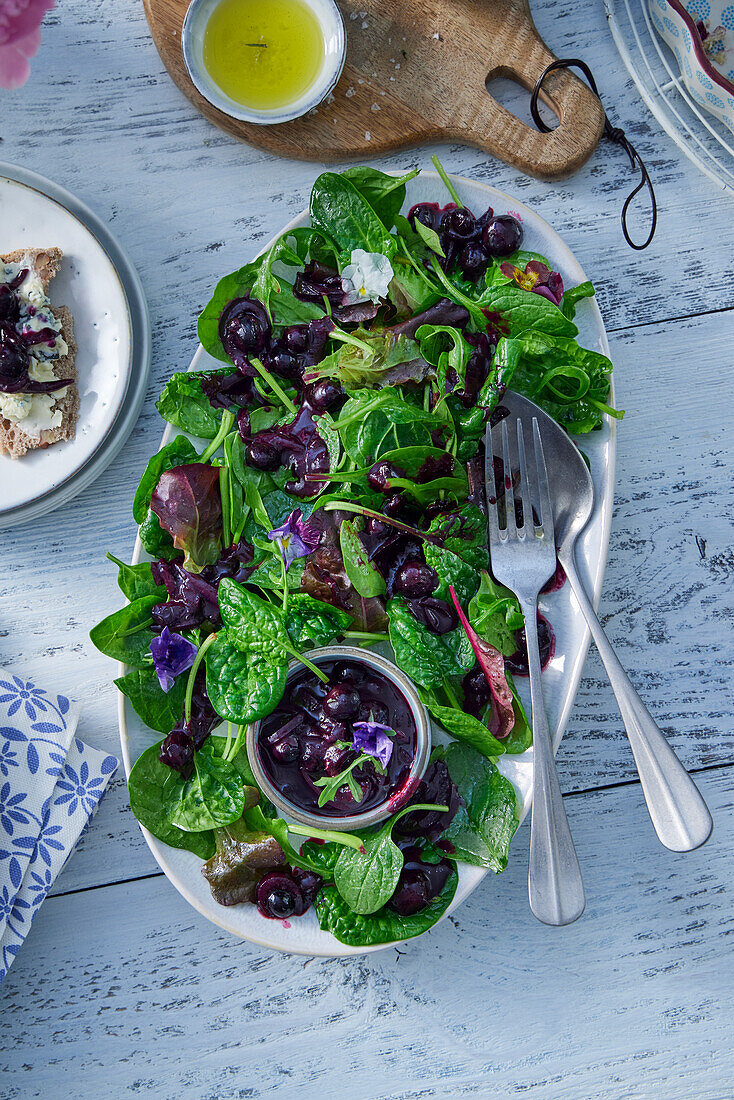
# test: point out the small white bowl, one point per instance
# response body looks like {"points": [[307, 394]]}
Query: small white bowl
{"points": [[335, 43]]}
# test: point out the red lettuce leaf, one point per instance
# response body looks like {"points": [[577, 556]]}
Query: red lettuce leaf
{"points": [[492, 664], [189, 507]]}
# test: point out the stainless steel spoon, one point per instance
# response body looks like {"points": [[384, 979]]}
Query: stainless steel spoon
{"points": [[679, 814]]}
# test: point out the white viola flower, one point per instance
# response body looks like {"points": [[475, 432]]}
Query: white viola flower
{"points": [[366, 278]]}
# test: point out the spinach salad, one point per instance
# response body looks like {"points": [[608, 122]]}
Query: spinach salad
{"points": [[326, 486]]}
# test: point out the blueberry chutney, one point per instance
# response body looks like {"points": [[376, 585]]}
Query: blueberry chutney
{"points": [[309, 738]]}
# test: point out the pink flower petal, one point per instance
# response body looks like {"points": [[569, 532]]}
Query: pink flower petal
{"points": [[20, 37]]}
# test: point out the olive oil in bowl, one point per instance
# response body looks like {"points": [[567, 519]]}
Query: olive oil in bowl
{"points": [[264, 60]]}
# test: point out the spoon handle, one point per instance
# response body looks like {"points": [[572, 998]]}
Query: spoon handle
{"points": [[555, 886], [679, 814]]}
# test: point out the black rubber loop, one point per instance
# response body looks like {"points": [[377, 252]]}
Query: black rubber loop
{"points": [[614, 133]]}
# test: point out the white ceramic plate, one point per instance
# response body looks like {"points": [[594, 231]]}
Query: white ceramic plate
{"points": [[561, 678], [111, 329]]}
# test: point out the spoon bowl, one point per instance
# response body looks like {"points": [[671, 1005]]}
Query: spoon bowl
{"points": [[571, 485]]}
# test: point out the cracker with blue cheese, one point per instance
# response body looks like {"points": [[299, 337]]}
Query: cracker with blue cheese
{"points": [[30, 421]]}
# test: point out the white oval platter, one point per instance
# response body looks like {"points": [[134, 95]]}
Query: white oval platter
{"points": [[561, 678]]}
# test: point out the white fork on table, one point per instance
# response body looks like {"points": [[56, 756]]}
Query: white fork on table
{"points": [[523, 559]]}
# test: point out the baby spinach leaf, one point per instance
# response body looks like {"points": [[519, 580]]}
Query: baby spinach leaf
{"points": [[424, 656], [373, 422], [345, 216], [183, 403], [573, 296], [322, 856], [444, 347], [520, 736], [254, 625], [487, 820], [214, 796], [495, 614], [367, 879], [464, 727], [430, 238], [156, 542], [385, 925], [269, 574], [385, 194], [311, 622], [178, 452], [362, 573], [157, 709], [240, 689], [452, 570], [151, 787], [523, 311], [570, 382], [464, 533], [424, 493], [136, 581], [329, 434], [126, 635]]}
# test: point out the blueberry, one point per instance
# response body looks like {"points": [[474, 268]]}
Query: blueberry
{"points": [[286, 750], [177, 752], [345, 673], [331, 730], [262, 455], [336, 759], [372, 710], [308, 883], [427, 213], [341, 702], [322, 395], [517, 662], [438, 616], [502, 235], [415, 578], [459, 224], [284, 362], [312, 754], [295, 339], [302, 696], [244, 328], [473, 260], [381, 473], [279, 896]]}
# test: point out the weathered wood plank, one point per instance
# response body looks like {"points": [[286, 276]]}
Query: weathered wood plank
{"points": [[140, 995], [666, 608], [189, 202]]}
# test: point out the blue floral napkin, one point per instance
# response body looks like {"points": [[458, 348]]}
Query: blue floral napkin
{"points": [[50, 786]]}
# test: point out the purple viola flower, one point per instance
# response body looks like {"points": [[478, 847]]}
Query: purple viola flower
{"points": [[373, 739], [296, 538], [172, 655]]}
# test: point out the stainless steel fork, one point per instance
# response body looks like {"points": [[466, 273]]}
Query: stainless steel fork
{"points": [[523, 559]]}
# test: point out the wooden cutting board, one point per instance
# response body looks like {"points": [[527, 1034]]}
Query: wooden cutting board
{"points": [[415, 73]]}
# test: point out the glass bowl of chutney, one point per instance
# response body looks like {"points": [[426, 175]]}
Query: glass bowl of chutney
{"points": [[308, 756]]}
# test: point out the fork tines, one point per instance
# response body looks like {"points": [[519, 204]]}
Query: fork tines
{"points": [[533, 486]]}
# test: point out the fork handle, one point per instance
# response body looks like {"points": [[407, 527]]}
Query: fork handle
{"points": [[555, 886], [679, 814]]}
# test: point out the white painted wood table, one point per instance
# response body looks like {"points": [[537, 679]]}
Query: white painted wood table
{"points": [[121, 988]]}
